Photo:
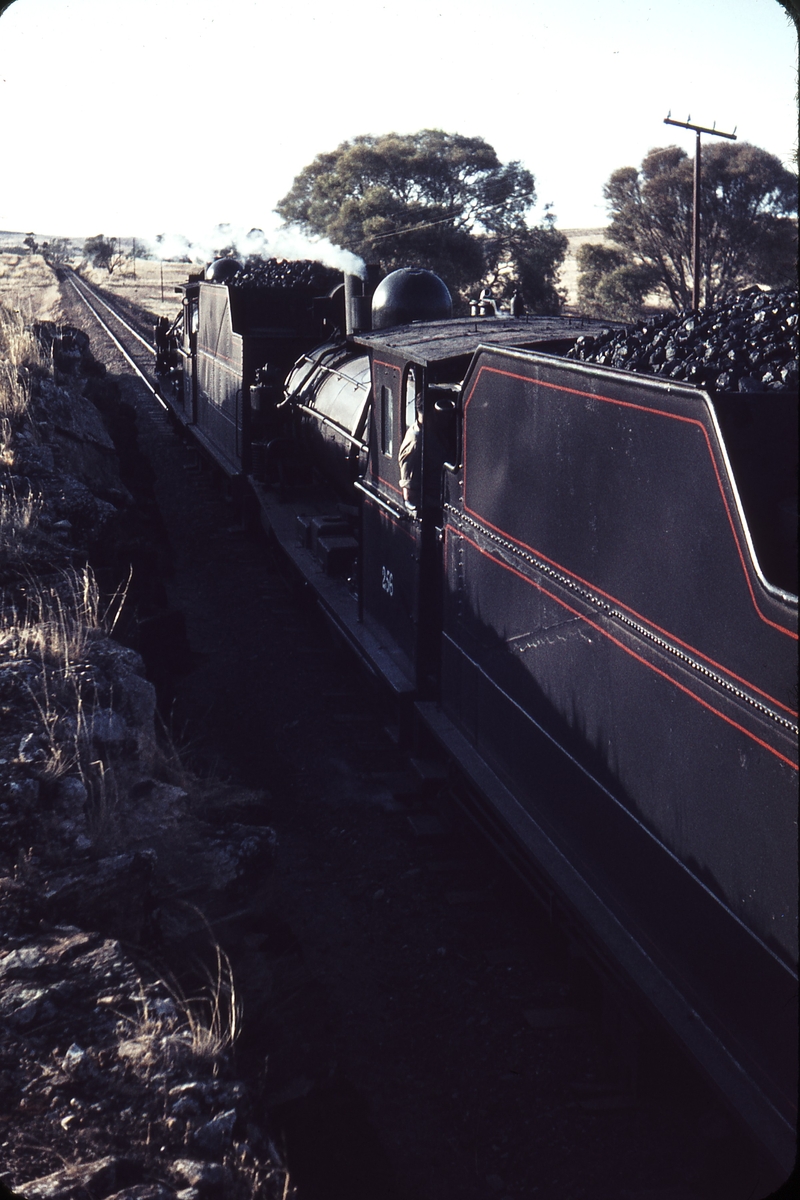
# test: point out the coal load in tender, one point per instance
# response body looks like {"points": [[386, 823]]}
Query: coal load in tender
{"points": [[287, 273], [747, 345]]}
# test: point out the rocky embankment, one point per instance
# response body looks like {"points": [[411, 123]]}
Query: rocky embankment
{"points": [[117, 1074]]}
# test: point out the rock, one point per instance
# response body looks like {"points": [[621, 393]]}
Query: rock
{"points": [[24, 791], [137, 699], [22, 1005], [26, 958], [71, 790], [144, 1191], [194, 1088], [71, 1002], [31, 748], [107, 727], [168, 797], [216, 1135], [201, 1175], [94, 1180], [74, 1057], [185, 1106], [243, 849]]}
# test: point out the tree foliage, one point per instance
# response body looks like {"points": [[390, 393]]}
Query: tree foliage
{"points": [[748, 234], [792, 8], [431, 199], [140, 249], [610, 284], [56, 251], [527, 259], [104, 252]]}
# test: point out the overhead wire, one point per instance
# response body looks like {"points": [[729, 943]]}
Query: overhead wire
{"points": [[442, 220]]}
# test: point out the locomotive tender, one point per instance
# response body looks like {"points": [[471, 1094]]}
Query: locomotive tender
{"points": [[584, 605]]}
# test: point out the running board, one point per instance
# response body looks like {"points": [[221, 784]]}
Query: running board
{"points": [[335, 599]]}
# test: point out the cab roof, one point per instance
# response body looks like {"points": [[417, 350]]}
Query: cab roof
{"points": [[427, 342]]}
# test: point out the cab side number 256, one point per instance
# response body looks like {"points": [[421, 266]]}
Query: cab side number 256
{"points": [[387, 581]]}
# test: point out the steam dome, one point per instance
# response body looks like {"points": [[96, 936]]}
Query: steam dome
{"points": [[222, 269], [410, 294]]}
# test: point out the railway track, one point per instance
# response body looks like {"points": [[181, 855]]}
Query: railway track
{"points": [[494, 1057], [138, 353]]}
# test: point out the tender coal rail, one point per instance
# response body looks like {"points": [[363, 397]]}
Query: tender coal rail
{"points": [[431, 1030]]}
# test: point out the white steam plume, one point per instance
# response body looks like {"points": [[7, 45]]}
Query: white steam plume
{"points": [[286, 242]]}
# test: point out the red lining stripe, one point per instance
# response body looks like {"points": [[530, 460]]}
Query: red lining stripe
{"points": [[217, 354], [386, 483], [607, 595], [682, 687]]}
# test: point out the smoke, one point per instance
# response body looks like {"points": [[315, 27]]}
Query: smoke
{"points": [[286, 242]]}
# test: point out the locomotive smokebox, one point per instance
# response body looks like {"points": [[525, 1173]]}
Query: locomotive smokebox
{"points": [[410, 294]]}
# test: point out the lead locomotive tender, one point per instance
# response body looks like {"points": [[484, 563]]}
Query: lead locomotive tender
{"points": [[588, 607]]}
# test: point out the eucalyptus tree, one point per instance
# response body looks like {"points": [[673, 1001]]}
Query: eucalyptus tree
{"points": [[748, 226], [433, 199]]}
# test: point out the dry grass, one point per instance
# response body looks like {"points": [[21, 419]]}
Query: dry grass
{"points": [[568, 275], [199, 1028], [58, 622], [146, 288], [214, 1018], [54, 632], [18, 514], [28, 285], [20, 356]]}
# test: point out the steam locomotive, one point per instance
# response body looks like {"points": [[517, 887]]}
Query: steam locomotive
{"points": [[568, 574]]}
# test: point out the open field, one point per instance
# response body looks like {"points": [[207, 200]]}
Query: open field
{"points": [[152, 287], [568, 275], [154, 283], [28, 285], [145, 289]]}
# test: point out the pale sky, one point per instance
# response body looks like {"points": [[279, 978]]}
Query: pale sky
{"points": [[174, 115]]}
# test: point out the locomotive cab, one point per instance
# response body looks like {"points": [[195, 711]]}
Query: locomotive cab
{"points": [[402, 496], [417, 373]]}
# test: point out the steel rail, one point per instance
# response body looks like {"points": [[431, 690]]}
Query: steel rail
{"points": [[121, 320], [118, 343]]}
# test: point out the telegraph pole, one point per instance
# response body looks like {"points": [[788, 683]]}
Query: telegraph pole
{"points": [[696, 198]]}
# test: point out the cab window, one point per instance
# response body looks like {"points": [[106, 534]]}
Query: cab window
{"points": [[410, 398], [387, 421]]}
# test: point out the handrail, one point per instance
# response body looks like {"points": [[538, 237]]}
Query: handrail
{"points": [[400, 514], [333, 424]]}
